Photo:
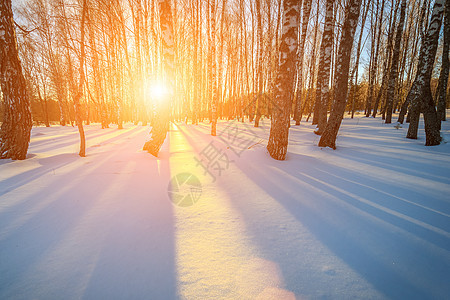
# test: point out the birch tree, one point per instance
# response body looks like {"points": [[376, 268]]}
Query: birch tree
{"points": [[441, 93], [323, 77], [259, 72], [354, 74], [279, 130], [376, 39], [162, 115], [420, 94], [386, 64], [79, 93], [16, 126], [328, 138], [212, 69], [393, 76], [306, 9]]}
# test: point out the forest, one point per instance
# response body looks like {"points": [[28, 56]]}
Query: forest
{"points": [[103, 62], [224, 149]]}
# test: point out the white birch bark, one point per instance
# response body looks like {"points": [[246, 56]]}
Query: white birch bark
{"points": [[420, 93], [328, 138], [162, 115], [323, 77], [16, 127], [279, 130], [393, 76]]}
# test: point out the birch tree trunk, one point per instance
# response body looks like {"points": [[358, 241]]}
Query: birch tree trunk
{"points": [[79, 94], [323, 76], [420, 93], [162, 115], [443, 77], [386, 61], [393, 76], [17, 123], [196, 11], [312, 70], [328, 138], [98, 84], [355, 72], [212, 73], [259, 72], [374, 62], [417, 35], [221, 85], [307, 4], [279, 130]]}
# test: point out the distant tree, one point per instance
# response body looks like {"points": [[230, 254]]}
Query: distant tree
{"points": [[323, 77], [17, 123], [160, 124], [328, 138], [95, 65], [259, 72], [310, 93], [79, 92], [221, 86], [422, 14], [420, 94], [441, 93], [393, 76], [354, 74], [34, 75], [196, 11], [375, 55], [213, 69], [306, 12], [279, 130], [387, 60]]}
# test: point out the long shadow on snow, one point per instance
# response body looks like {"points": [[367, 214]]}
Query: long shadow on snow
{"points": [[137, 256], [30, 250], [139, 248], [54, 141], [400, 148], [52, 163], [57, 143], [48, 164], [351, 249], [48, 134], [394, 183]]}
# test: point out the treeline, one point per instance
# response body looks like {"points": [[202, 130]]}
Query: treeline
{"points": [[98, 59], [225, 49]]}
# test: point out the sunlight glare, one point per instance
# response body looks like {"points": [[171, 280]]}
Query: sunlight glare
{"points": [[157, 91]]}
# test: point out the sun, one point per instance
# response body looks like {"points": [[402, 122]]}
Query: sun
{"points": [[157, 90]]}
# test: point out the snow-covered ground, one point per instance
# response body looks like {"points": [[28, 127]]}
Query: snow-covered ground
{"points": [[370, 220]]}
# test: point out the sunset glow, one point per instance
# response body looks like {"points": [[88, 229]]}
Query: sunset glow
{"points": [[247, 149], [157, 91]]}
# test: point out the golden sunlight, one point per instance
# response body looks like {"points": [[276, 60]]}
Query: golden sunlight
{"points": [[157, 90]]}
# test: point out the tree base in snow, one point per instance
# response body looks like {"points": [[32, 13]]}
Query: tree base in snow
{"points": [[325, 144], [328, 139], [278, 138], [278, 153], [13, 152], [152, 148], [159, 133], [433, 142]]}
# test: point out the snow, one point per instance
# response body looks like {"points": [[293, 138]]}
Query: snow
{"points": [[370, 220]]}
